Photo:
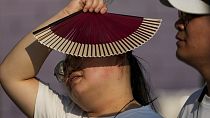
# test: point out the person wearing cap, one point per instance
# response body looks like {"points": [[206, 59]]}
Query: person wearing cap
{"points": [[111, 86], [193, 48]]}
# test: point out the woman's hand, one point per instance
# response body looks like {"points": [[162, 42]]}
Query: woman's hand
{"points": [[86, 6]]}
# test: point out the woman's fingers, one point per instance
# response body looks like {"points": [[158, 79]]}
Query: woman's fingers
{"points": [[94, 5], [104, 9], [88, 5], [85, 5], [99, 6]]}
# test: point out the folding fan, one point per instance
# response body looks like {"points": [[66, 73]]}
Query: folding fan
{"points": [[97, 35]]}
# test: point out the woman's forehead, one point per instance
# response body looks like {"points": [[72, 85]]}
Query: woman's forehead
{"points": [[87, 62], [106, 60]]}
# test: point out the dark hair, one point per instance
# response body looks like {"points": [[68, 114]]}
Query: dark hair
{"points": [[140, 88], [206, 1]]}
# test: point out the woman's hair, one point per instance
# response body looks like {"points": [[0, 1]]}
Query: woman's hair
{"points": [[140, 88]]}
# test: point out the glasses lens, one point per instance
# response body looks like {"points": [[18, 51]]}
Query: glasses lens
{"points": [[59, 71]]}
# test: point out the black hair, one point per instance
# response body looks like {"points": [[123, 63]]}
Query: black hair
{"points": [[206, 1], [140, 87]]}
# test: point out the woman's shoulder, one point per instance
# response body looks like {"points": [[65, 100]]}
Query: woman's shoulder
{"points": [[51, 103]]}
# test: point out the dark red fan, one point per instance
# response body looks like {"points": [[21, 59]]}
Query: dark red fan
{"points": [[97, 35]]}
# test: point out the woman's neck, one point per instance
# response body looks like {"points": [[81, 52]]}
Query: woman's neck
{"points": [[114, 108]]}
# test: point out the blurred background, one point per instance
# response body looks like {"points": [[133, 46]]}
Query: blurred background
{"points": [[172, 81]]}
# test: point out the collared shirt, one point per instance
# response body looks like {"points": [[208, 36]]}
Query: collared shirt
{"points": [[195, 108]]}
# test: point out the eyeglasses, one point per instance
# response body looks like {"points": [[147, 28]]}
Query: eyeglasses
{"points": [[59, 71], [186, 18]]}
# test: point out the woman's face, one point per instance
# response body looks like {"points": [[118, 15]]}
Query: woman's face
{"points": [[92, 76]]}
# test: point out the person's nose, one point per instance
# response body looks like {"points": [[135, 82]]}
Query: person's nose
{"points": [[179, 25]]}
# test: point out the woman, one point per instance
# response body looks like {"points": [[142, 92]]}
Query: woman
{"points": [[98, 87]]}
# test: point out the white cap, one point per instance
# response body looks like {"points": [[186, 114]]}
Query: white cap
{"points": [[189, 6]]}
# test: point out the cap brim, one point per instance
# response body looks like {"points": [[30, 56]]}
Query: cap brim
{"points": [[188, 6]]}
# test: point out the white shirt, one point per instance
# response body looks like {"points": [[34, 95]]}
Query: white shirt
{"points": [[50, 104], [192, 108]]}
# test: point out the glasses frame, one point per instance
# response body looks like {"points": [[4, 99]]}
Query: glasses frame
{"points": [[186, 17], [59, 72]]}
